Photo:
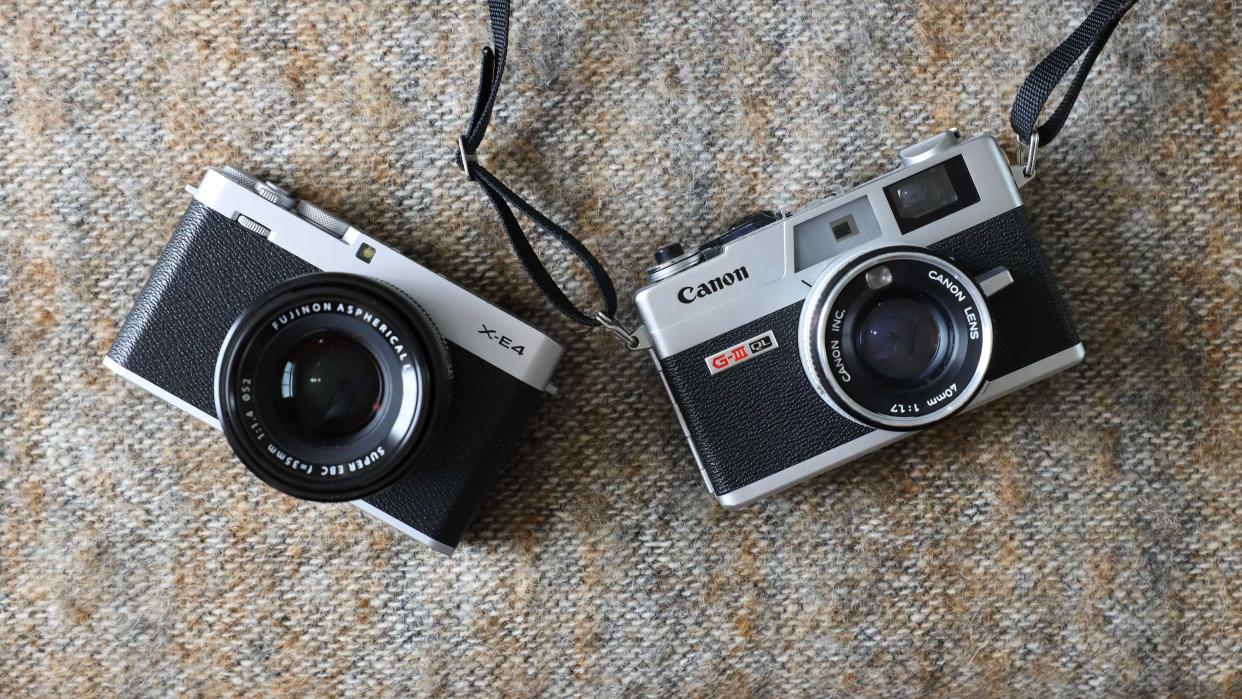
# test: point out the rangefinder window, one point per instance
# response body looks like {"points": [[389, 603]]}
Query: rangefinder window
{"points": [[825, 236], [931, 194]]}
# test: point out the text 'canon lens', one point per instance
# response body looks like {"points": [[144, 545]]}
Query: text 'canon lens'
{"points": [[896, 338]]}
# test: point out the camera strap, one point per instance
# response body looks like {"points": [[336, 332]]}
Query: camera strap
{"points": [[1085, 42], [504, 200]]}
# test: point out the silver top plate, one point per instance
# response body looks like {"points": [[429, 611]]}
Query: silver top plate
{"points": [[464, 319], [773, 278]]}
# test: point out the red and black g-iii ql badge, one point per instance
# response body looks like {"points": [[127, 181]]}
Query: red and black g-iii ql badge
{"points": [[741, 352]]}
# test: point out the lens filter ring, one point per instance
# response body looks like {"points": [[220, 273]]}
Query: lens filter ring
{"points": [[330, 386], [896, 338]]}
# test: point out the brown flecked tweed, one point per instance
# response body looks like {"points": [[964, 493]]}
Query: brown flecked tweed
{"points": [[1078, 539]]}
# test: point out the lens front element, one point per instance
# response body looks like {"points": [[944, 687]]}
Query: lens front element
{"points": [[900, 337], [331, 386], [896, 338]]}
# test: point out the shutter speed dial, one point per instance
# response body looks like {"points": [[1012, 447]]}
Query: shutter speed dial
{"points": [[275, 194], [324, 220]]}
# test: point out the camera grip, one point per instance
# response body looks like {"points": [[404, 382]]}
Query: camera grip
{"points": [[488, 413], [209, 272]]}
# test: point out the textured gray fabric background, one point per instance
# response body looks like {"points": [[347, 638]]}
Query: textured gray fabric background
{"points": [[1078, 539]]}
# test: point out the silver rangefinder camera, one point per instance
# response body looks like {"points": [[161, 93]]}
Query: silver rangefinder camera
{"points": [[792, 345], [338, 369]]}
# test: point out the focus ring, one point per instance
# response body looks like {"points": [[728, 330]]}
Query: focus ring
{"points": [[945, 361]]}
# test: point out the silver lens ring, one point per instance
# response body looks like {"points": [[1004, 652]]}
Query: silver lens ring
{"points": [[922, 361]]}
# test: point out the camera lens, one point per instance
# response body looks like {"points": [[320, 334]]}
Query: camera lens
{"points": [[330, 386], [900, 338], [895, 338]]}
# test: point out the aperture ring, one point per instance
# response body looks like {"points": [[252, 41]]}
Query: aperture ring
{"points": [[829, 338]]}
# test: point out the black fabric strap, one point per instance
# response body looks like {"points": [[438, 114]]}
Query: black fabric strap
{"points": [[1084, 43], [502, 198], [1089, 39]]}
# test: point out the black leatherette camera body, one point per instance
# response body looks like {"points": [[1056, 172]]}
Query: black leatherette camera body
{"points": [[212, 269], [743, 436]]}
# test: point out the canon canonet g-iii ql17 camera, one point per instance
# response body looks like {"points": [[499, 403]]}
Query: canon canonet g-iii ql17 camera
{"points": [[792, 345], [337, 369]]}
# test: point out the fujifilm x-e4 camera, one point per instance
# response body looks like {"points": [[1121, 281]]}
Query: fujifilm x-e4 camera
{"points": [[337, 368]]}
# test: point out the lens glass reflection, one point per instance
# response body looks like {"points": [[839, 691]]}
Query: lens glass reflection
{"points": [[330, 386], [900, 337]]}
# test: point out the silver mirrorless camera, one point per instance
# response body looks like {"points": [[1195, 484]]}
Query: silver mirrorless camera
{"points": [[338, 369], [792, 345]]}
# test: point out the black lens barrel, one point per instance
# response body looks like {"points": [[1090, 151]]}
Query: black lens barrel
{"points": [[330, 386]]}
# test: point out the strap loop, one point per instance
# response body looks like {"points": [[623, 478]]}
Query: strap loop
{"points": [[1085, 42], [1032, 148], [632, 338]]}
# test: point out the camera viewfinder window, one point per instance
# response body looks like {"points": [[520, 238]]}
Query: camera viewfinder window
{"points": [[931, 194], [825, 235]]}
